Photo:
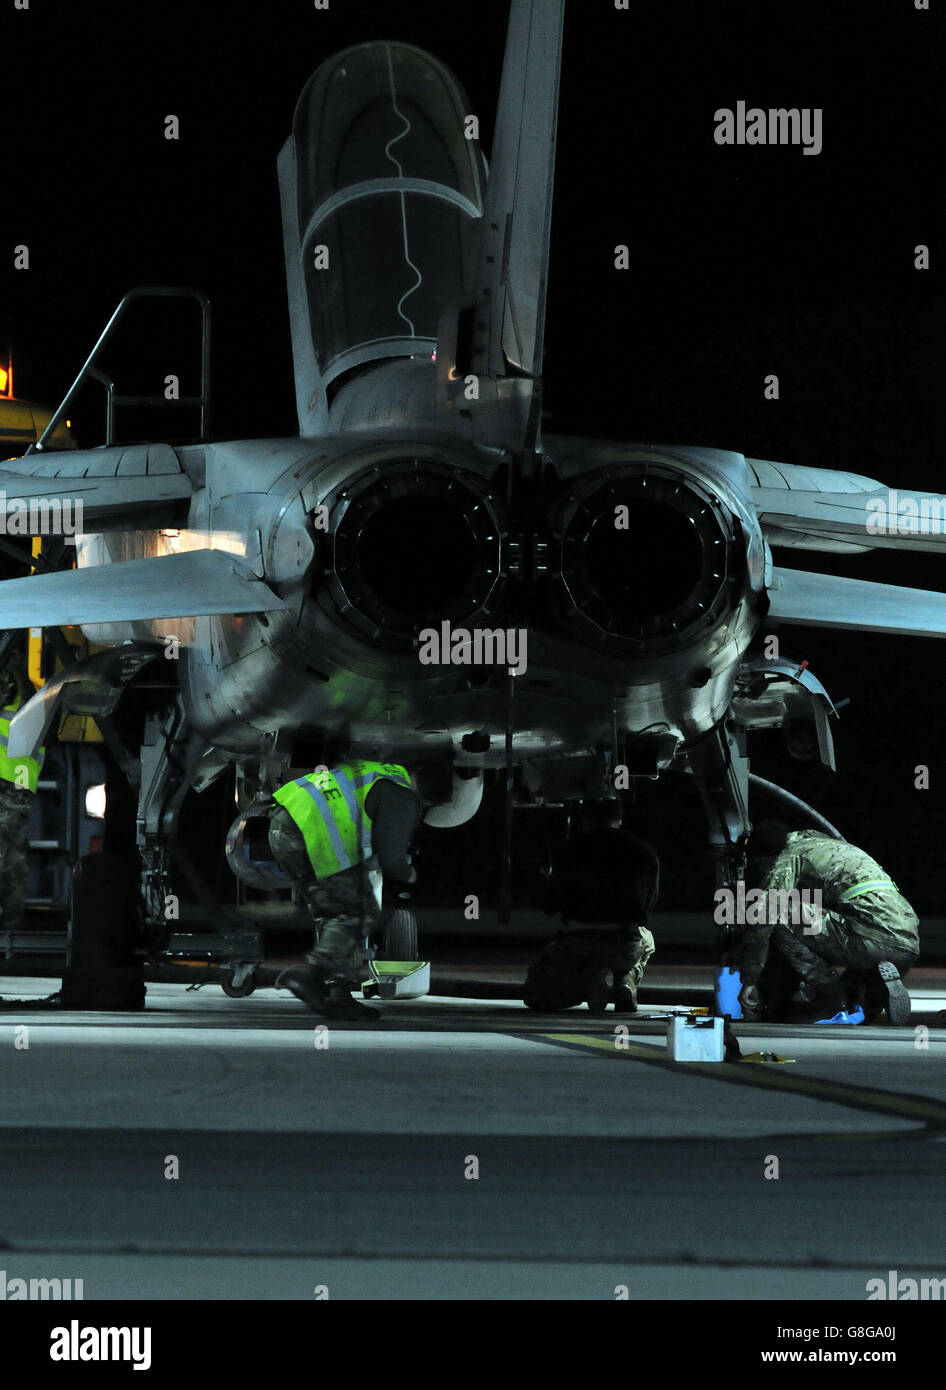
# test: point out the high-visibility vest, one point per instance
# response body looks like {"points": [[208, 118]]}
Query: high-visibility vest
{"points": [[16, 769], [328, 806]]}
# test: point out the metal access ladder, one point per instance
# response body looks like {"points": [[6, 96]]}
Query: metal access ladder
{"points": [[112, 401]]}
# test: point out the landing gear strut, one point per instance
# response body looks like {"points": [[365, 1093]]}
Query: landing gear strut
{"points": [[109, 934], [721, 768]]}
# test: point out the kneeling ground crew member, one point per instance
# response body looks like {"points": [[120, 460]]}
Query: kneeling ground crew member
{"points": [[864, 923], [18, 780], [327, 832], [607, 880]]}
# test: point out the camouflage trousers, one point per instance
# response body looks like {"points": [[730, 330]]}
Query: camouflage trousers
{"points": [[343, 907], [15, 806], [857, 941], [589, 965]]}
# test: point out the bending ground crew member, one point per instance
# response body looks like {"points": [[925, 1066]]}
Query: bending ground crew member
{"points": [[607, 880], [18, 781], [864, 923], [330, 829]]}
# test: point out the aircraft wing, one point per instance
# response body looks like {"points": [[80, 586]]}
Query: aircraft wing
{"points": [[190, 584], [116, 487], [824, 509], [858, 605]]}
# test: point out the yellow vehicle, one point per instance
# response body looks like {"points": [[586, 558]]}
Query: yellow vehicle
{"points": [[65, 816], [22, 422]]}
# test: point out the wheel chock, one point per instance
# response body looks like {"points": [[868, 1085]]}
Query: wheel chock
{"points": [[397, 979]]}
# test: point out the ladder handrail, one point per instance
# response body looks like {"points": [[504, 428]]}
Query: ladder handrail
{"points": [[143, 292]]}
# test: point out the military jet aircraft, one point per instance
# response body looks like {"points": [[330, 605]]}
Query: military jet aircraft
{"points": [[423, 572]]}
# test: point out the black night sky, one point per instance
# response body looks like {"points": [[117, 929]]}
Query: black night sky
{"points": [[744, 262]]}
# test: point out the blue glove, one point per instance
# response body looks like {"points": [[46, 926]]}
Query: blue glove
{"points": [[728, 987]]}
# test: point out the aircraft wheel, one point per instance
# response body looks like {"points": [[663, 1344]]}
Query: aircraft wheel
{"points": [[400, 936], [233, 991]]}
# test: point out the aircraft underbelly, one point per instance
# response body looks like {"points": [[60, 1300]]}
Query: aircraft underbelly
{"points": [[288, 685]]}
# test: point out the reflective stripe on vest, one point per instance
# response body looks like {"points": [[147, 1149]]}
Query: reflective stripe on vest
{"points": [[329, 809], [22, 772], [869, 885]]}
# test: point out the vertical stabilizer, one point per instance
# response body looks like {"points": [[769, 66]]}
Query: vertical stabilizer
{"points": [[509, 312]]}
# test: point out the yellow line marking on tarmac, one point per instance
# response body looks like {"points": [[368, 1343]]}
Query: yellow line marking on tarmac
{"points": [[920, 1108]]}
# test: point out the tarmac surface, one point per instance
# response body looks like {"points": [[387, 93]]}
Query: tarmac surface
{"points": [[464, 1149]]}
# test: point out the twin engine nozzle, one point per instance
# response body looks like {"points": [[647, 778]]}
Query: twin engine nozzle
{"points": [[639, 557]]}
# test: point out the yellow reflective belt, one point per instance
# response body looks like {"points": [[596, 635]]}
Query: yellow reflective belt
{"points": [[870, 885]]}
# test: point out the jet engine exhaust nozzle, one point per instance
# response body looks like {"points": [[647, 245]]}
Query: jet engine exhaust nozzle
{"points": [[414, 545], [645, 559]]}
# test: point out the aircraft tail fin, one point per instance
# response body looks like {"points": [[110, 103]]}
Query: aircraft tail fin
{"points": [[510, 299]]}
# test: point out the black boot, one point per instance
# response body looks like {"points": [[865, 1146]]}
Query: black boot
{"points": [[340, 1004], [307, 983], [885, 991], [625, 1000], [597, 991], [624, 993], [816, 999]]}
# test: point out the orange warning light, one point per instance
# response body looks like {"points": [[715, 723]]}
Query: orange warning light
{"points": [[4, 378]]}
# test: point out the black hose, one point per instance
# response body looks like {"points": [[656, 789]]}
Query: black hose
{"points": [[795, 803]]}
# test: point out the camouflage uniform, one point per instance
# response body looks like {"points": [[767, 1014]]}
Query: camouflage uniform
{"points": [[15, 805], [874, 926], [604, 884], [575, 968], [343, 906]]}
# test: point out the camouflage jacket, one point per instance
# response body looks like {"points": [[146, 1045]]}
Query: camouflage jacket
{"points": [[813, 861]]}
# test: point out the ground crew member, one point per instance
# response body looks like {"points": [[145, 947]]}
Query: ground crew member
{"points": [[18, 780], [328, 831], [864, 923], [606, 880]]}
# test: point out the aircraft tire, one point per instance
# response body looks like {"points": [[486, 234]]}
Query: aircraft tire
{"points": [[400, 936]]}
